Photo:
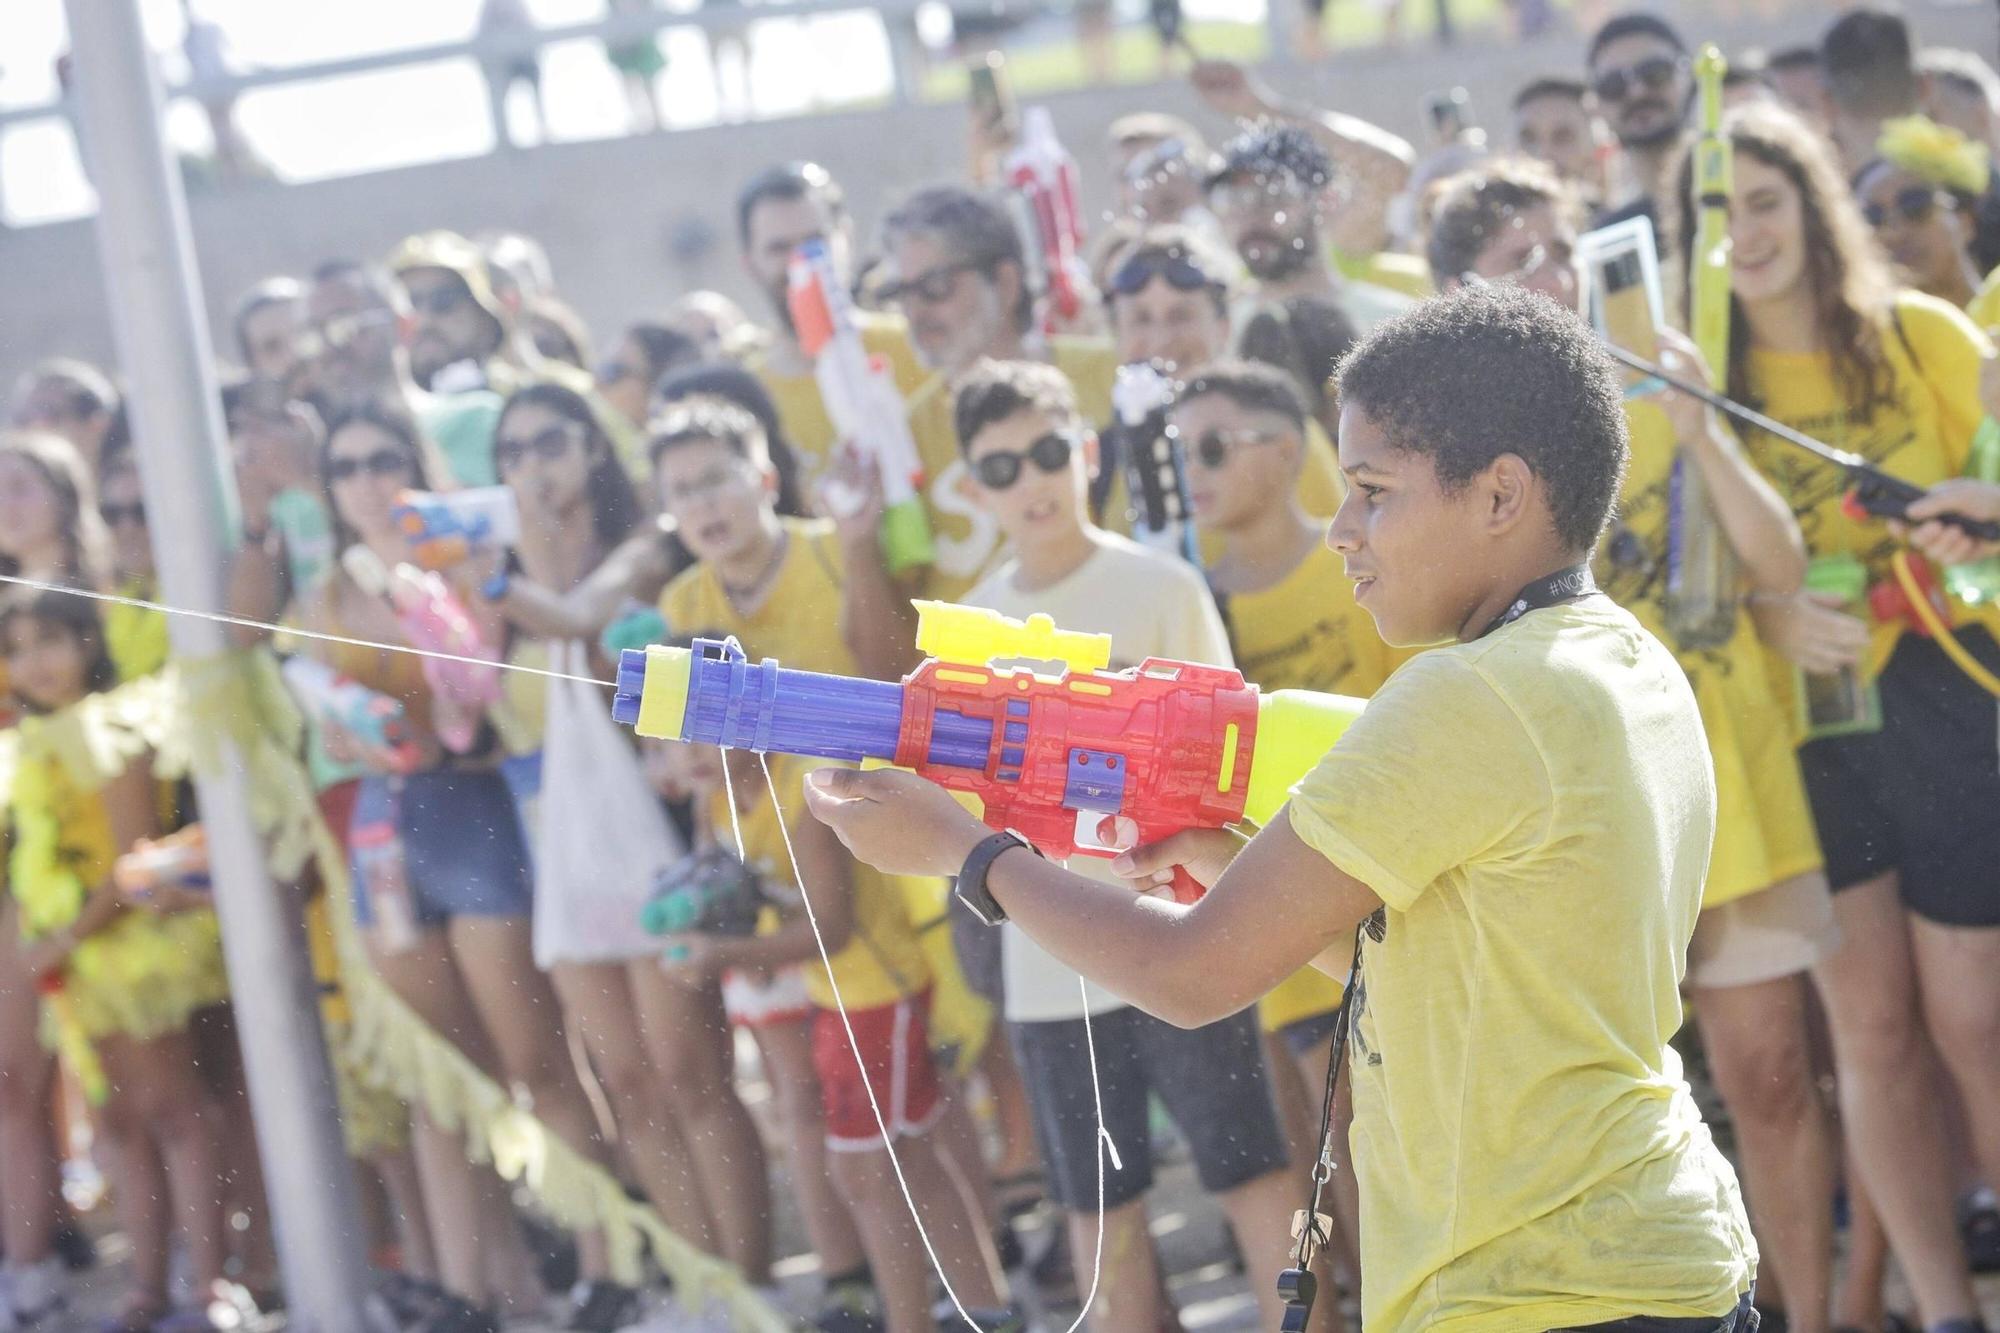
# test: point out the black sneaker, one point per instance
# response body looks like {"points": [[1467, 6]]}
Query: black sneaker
{"points": [[600, 1306], [850, 1307], [1979, 1224]]}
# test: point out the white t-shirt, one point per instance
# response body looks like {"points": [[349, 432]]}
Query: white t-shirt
{"points": [[1152, 605]]}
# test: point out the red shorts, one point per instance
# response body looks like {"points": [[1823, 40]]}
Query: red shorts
{"points": [[894, 1048]]}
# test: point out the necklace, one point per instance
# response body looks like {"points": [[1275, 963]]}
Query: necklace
{"points": [[743, 596]]}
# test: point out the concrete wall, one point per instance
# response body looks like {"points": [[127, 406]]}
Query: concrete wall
{"points": [[618, 216]]}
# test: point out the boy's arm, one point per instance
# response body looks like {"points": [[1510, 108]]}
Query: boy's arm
{"points": [[1277, 906], [637, 569]]}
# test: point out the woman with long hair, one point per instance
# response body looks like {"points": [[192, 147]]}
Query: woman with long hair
{"points": [[1822, 340], [442, 888]]}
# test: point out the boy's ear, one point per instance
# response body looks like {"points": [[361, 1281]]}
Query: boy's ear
{"points": [[1508, 491]]}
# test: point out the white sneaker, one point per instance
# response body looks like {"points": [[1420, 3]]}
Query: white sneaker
{"points": [[33, 1294], [671, 1316]]}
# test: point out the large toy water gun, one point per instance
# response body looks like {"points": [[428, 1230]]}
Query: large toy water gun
{"points": [[180, 859], [710, 892], [1041, 176], [372, 718], [1152, 459], [1161, 747], [435, 620], [446, 527], [861, 400], [1700, 601]]}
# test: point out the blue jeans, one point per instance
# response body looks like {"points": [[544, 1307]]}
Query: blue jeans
{"points": [[1743, 1319]]}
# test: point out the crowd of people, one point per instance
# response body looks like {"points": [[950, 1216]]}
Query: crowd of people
{"points": [[687, 479]]}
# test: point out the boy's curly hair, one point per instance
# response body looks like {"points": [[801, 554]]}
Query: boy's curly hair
{"points": [[1492, 370]]}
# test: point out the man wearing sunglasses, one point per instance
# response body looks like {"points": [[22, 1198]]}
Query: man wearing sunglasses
{"points": [[1643, 81], [1270, 193], [350, 354], [956, 271], [1030, 455]]}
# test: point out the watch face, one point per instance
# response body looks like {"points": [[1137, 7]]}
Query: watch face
{"points": [[985, 910]]}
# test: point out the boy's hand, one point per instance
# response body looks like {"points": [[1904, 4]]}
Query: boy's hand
{"points": [[895, 821], [1203, 852], [1811, 630], [1947, 543]]}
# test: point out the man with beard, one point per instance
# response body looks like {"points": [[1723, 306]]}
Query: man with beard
{"points": [[1644, 84], [778, 211], [955, 269], [1270, 192]]}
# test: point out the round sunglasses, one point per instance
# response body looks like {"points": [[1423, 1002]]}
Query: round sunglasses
{"points": [[1914, 204], [1653, 74], [381, 463], [548, 444]]}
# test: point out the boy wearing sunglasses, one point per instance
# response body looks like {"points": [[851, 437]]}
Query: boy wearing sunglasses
{"points": [[1030, 456]]}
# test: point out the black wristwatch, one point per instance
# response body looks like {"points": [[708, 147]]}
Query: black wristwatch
{"points": [[972, 890]]}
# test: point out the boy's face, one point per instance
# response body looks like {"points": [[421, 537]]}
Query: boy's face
{"points": [[1050, 461], [1536, 249], [1411, 548], [1559, 131], [715, 496], [1240, 461], [46, 662], [1161, 322]]}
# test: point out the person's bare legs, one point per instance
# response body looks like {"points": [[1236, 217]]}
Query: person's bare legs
{"points": [[1260, 1212], [895, 1249], [30, 1166], [788, 1063], [1857, 1300], [688, 1041], [517, 1006], [600, 1006], [166, 1114], [1757, 1047], [1130, 1286], [1012, 1116], [1888, 1098], [404, 1188], [1958, 971]]}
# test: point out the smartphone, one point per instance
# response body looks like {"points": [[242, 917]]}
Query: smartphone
{"points": [[1621, 264], [993, 96]]}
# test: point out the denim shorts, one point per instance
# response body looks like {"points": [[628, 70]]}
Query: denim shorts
{"points": [[463, 853], [1743, 1319]]}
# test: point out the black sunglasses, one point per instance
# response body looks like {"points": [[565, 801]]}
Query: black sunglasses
{"points": [[1002, 468], [1912, 203], [933, 287], [1653, 73], [381, 463], [547, 445], [1212, 448], [1181, 275], [114, 514]]}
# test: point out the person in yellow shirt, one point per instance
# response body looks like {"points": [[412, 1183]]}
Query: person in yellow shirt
{"points": [[1293, 625], [871, 1000], [1904, 812], [1767, 916], [779, 210], [1521, 817], [955, 269], [1921, 194], [800, 590]]}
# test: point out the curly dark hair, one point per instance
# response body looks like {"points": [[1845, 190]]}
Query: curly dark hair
{"points": [[1276, 151], [1491, 370], [1251, 385], [1852, 291]]}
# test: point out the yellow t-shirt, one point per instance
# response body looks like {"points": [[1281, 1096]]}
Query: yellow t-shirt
{"points": [[1922, 435], [966, 538], [1763, 827], [799, 620], [135, 637], [1305, 632], [1534, 809], [1408, 274], [882, 961], [521, 715], [801, 410]]}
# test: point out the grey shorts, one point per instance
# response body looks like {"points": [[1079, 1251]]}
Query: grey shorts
{"points": [[1212, 1081]]}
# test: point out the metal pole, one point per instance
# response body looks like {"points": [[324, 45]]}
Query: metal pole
{"points": [[164, 350]]}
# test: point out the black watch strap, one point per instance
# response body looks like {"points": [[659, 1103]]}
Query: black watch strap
{"points": [[972, 890]]}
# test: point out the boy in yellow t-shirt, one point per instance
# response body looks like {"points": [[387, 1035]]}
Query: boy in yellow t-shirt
{"points": [[875, 985], [1521, 817]]}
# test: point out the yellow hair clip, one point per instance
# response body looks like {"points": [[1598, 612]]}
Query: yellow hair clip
{"points": [[1937, 153]]}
